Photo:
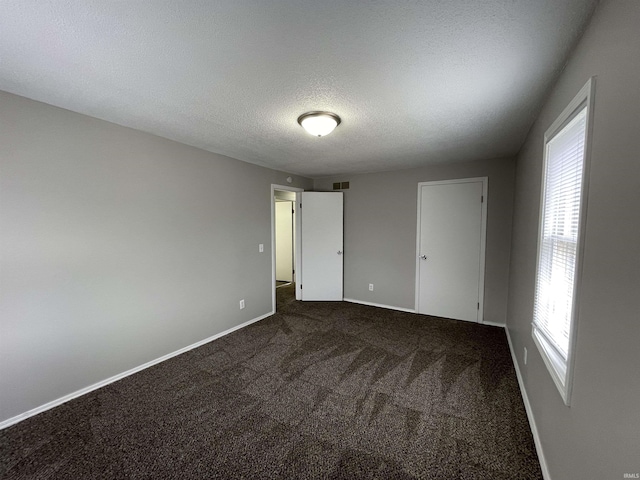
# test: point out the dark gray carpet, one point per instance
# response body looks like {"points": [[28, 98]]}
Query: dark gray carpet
{"points": [[319, 390]]}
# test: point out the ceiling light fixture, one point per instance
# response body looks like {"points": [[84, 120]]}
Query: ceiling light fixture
{"points": [[319, 124]]}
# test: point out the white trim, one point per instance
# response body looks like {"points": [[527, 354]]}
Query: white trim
{"points": [[379, 305], [297, 265], [553, 363], [483, 239], [78, 393], [297, 254], [586, 97], [493, 324], [527, 406]]}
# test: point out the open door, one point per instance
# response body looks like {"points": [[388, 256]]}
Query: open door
{"points": [[322, 245]]}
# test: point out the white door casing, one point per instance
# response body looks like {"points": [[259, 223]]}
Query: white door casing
{"points": [[322, 245], [451, 248]]}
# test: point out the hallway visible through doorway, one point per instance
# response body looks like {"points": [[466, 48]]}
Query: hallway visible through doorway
{"points": [[285, 245]]}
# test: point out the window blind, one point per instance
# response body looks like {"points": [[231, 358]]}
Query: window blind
{"points": [[558, 242]]}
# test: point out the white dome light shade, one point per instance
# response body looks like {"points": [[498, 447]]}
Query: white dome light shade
{"points": [[319, 124]]}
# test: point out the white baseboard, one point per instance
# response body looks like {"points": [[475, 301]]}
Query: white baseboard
{"points": [[371, 304], [493, 324], [527, 406], [115, 378]]}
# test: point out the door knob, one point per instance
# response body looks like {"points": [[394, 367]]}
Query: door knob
{"points": [[423, 257], [339, 252]]}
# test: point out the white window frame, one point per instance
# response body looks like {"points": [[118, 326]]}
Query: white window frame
{"points": [[554, 362]]}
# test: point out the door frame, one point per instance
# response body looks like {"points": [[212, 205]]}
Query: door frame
{"points": [[483, 237], [297, 244]]}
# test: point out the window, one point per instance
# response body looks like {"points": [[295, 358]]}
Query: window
{"points": [[562, 212]]}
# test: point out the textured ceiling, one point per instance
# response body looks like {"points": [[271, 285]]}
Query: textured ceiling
{"points": [[415, 82]]}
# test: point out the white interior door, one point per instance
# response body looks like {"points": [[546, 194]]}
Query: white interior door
{"points": [[322, 245], [450, 272]]}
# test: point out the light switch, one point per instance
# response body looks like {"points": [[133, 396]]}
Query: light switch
{"points": [[261, 247]]}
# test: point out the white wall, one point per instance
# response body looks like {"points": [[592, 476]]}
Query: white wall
{"points": [[380, 222], [118, 247], [598, 437]]}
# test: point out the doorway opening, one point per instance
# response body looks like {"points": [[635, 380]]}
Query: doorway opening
{"points": [[285, 239]]}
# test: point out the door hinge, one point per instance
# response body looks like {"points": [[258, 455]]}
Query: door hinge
{"points": [[482, 199], [300, 286], [301, 205], [478, 305]]}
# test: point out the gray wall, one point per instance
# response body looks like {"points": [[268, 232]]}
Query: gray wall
{"points": [[118, 247], [597, 437], [380, 221]]}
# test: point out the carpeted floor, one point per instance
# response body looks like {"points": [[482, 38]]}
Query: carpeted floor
{"points": [[318, 391]]}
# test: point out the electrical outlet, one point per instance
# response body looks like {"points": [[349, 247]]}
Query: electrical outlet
{"points": [[525, 355], [261, 247], [241, 304], [371, 287]]}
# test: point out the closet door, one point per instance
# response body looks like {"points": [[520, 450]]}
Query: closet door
{"points": [[450, 264]]}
